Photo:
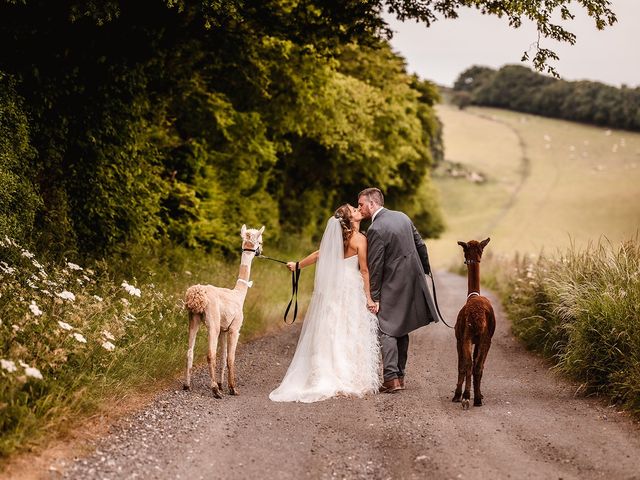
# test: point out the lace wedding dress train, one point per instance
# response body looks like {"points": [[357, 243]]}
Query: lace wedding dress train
{"points": [[338, 350]]}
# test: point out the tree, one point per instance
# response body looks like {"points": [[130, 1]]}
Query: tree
{"points": [[540, 12]]}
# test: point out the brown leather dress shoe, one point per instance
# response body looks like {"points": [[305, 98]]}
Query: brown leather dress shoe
{"points": [[401, 380], [390, 386]]}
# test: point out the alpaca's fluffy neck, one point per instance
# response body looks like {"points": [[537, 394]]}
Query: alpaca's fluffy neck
{"points": [[473, 277]]}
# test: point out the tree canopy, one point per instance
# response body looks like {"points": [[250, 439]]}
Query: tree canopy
{"points": [[516, 87]]}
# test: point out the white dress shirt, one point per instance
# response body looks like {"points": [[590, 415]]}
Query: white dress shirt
{"points": [[373, 217]]}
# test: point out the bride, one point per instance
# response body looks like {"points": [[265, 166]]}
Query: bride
{"points": [[338, 351]]}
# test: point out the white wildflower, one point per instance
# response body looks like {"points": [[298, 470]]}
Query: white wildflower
{"points": [[32, 372], [27, 253], [22, 364], [125, 302], [131, 290], [129, 317], [16, 328], [108, 335], [47, 292], [73, 266], [79, 280], [32, 285], [64, 325], [86, 279], [108, 346], [97, 298], [8, 365], [66, 295], [4, 266], [35, 309], [89, 271], [187, 272], [79, 337], [10, 242], [37, 264]]}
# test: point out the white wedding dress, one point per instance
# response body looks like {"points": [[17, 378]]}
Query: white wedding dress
{"points": [[338, 350]]}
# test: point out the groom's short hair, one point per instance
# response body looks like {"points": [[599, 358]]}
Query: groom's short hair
{"points": [[373, 194]]}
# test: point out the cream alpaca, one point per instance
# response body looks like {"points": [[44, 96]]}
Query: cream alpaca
{"points": [[221, 311]]}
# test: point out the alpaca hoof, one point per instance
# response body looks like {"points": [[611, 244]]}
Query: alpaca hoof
{"points": [[186, 387], [216, 392], [477, 402], [465, 404], [233, 391], [456, 399]]}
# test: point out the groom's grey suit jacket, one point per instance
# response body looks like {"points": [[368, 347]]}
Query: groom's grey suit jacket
{"points": [[398, 261]]}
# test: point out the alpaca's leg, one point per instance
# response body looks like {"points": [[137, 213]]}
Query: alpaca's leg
{"points": [[467, 361], [458, 393], [223, 355], [194, 324], [234, 335], [478, 368], [213, 322]]}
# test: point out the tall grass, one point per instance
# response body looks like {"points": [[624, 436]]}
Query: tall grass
{"points": [[582, 310], [72, 339]]}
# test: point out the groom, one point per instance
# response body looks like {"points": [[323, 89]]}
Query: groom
{"points": [[398, 262]]}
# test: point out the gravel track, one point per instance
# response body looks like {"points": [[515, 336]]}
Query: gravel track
{"points": [[531, 426]]}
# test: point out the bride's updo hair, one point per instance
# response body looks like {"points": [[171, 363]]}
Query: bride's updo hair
{"points": [[343, 214]]}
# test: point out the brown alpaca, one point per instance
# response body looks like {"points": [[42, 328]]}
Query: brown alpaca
{"points": [[220, 309], [475, 326]]}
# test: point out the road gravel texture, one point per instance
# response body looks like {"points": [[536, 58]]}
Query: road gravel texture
{"points": [[533, 425]]}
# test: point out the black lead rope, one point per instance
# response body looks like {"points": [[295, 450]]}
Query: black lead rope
{"points": [[272, 259], [435, 299], [295, 279]]}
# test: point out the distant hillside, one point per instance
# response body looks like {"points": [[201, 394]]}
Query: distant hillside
{"points": [[515, 87]]}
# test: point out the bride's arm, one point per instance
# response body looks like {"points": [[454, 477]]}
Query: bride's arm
{"points": [[361, 247], [305, 262]]}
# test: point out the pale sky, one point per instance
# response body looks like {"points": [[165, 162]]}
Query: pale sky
{"points": [[444, 50]]}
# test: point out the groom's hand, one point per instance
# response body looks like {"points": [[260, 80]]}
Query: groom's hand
{"points": [[291, 266]]}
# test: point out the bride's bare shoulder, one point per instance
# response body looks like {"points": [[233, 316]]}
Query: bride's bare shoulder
{"points": [[360, 237]]}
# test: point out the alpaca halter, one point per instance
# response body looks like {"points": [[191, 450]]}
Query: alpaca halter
{"points": [[249, 283], [472, 294], [467, 262], [257, 250]]}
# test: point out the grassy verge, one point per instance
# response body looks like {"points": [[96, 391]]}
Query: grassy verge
{"points": [[73, 338], [582, 310]]}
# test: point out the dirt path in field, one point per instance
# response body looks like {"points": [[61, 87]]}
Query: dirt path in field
{"points": [[532, 424], [525, 171]]}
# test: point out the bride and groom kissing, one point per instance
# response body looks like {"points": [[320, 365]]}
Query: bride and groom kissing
{"points": [[369, 294]]}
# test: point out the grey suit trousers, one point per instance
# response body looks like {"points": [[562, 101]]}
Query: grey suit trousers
{"points": [[394, 355]]}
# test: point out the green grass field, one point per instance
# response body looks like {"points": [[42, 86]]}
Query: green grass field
{"points": [[549, 183]]}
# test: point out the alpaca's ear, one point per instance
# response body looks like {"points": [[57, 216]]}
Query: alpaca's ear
{"points": [[484, 242], [261, 230], [462, 244], [243, 230]]}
